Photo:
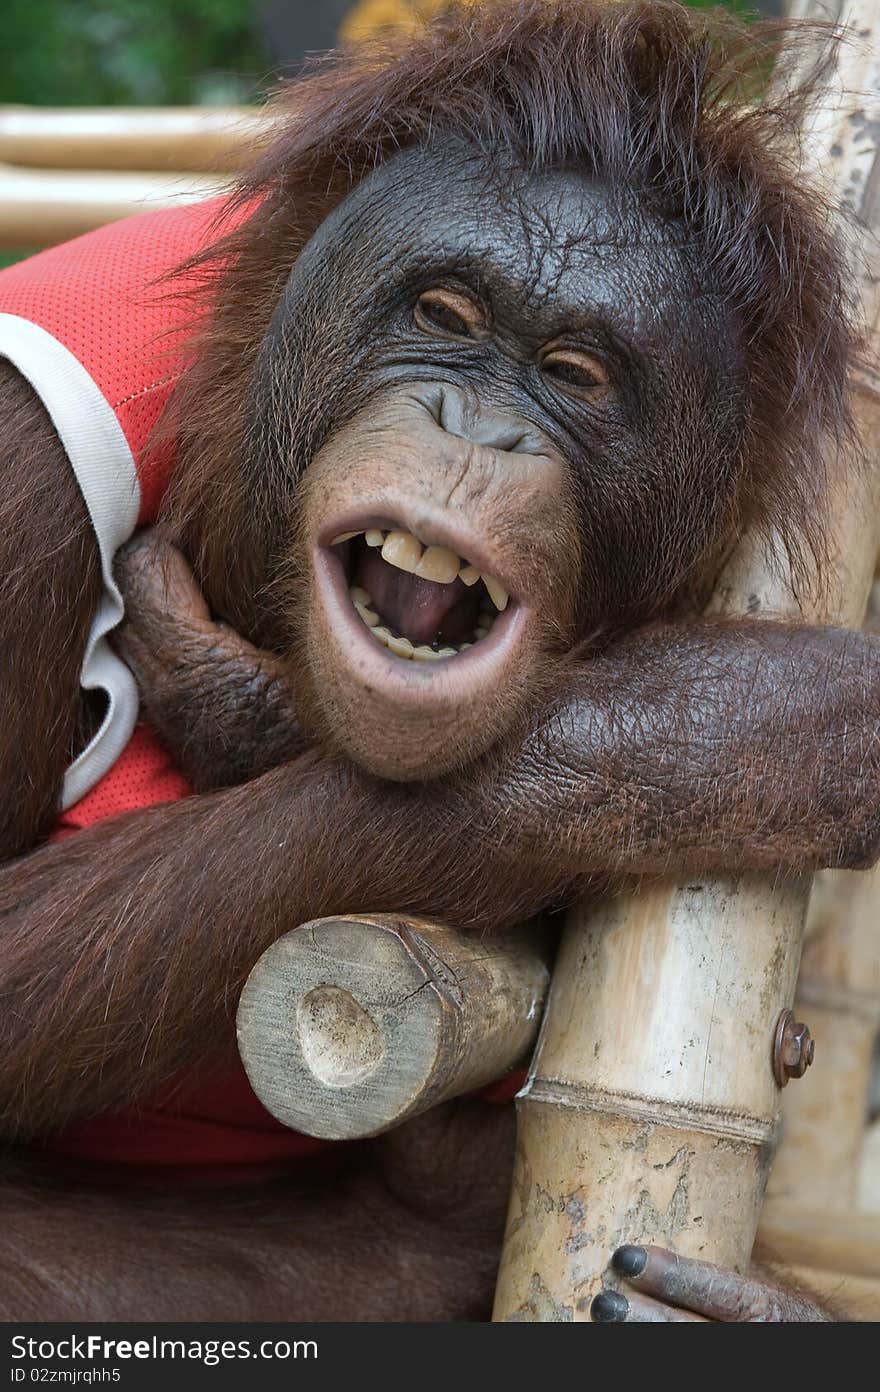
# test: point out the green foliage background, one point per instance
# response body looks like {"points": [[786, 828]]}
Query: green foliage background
{"points": [[139, 52]]}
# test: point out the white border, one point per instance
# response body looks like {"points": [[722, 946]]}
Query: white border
{"points": [[102, 461]]}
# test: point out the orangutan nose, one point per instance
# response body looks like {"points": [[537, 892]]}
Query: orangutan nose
{"points": [[463, 414]]}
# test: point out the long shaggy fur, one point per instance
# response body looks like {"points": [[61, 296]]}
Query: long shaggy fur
{"points": [[650, 97]]}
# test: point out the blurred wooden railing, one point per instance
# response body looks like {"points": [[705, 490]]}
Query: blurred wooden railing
{"points": [[64, 171]]}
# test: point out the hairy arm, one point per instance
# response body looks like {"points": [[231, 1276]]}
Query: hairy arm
{"points": [[50, 582], [698, 747], [711, 747]]}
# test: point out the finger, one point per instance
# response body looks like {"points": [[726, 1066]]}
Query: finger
{"points": [[163, 594], [706, 1289], [181, 593], [612, 1307], [155, 576], [168, 627]]}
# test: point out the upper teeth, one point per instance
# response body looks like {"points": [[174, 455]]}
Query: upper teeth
{"points": [[437, 563]]}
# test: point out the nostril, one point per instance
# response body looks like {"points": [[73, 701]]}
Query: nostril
{"points": [[512, 443], [441, 409], [479, 425], [468, 420]]}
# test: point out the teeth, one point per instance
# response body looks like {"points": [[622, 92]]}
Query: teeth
{"points": [[402, 647], [401, 549], [369, 616], [497, 593], [438, 564]]}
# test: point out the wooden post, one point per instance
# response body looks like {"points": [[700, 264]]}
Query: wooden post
{"points": [[823, 1132], [821, 1157], [651, 1108], [846, 1243], [349, 1026], [868, 1194]]}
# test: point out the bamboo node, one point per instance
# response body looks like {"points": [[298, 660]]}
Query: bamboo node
{"points": [[732, 1125]]}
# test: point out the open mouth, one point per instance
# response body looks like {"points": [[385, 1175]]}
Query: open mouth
{"points": [[420, 603]]}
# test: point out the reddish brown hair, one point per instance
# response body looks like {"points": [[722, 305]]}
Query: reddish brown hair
{"points": [[646, 95]]}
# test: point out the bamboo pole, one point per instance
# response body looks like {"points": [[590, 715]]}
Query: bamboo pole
{"points": [[823, 1126], [190, 138], [349, 1026], [868, 1192], [845, 1242], [47, 206], [820, 1154], [650, 1111]]}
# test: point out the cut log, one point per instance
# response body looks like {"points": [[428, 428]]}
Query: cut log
{"points": [[349, 1026]]}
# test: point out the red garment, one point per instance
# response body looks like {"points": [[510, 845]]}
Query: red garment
{"points": [[96, 295]]}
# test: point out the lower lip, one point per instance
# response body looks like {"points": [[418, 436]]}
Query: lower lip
{"points": [[478, 666]]}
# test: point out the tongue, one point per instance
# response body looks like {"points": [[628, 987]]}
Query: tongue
{"points": [[416, 608]]}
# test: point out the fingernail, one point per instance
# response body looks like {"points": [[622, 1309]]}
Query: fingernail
{"points": [[629, 1261], [609, 1307]]}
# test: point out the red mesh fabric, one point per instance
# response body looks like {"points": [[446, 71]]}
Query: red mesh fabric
{"points": [[143, 776], [96, 296]]}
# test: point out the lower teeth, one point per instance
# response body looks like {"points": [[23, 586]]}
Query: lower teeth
{"points": [[402, 647]]}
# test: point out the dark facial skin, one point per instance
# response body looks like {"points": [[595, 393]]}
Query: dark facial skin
{"points": [[510, 375]]}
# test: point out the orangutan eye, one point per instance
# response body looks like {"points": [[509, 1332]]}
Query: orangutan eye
{"points": [[452, 314], [575, 371]]}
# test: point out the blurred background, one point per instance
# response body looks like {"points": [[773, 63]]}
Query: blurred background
{"points": [[177, 52], [65, 166]]}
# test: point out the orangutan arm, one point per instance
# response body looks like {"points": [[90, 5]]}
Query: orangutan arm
{"points": [[50, 583], [706, 746]]}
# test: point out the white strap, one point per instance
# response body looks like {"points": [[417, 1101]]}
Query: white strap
{"points": [[102, 461]]}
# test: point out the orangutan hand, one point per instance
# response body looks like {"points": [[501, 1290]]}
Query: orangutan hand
{"points": [[222, 706], [663, 1288]]}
